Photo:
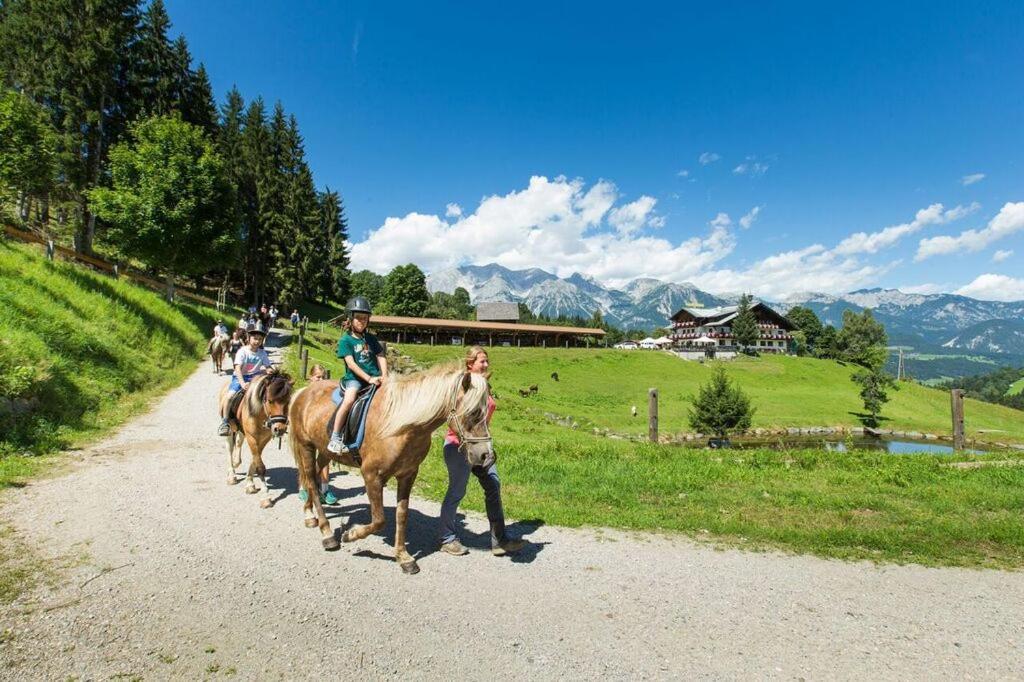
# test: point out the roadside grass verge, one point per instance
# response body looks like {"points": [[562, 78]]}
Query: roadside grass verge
{"points": [[860, 505], [80, 353]]}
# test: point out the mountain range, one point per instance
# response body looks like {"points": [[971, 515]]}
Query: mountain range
{"points": [[940, 326]]}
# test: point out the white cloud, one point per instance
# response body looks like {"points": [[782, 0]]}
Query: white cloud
{"points": [[1001, 255], [683, 173], [629, 218], [722, 220], [452, 211], [989, 287], [748, 220], [863, 242], [751, 167], [928, 288], [971, 179], [1010, 219], [708, 157], [558, 225]]}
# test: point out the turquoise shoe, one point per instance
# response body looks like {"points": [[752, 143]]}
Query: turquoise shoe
{"points": [[303, 495], [329, 498]]}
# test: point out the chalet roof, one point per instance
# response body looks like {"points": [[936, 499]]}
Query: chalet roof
{"points": [[717, 316], [497, 311], [430, 323]]}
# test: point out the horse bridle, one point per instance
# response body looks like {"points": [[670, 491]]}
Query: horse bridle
{"points": [[272, 418], [455, 422]]}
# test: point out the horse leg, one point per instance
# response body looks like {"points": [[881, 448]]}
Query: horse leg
{"points": [[233, 459], [402, 556], [375, 492], [261, 473]]}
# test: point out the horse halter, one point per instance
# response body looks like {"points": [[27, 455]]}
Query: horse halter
{"points": [[455, 422], [272, 418]]}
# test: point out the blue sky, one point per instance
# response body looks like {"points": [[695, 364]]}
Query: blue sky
{"points": [[569, 135]]}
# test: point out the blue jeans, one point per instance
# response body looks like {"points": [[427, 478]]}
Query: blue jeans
{"points": [[458, 476]]}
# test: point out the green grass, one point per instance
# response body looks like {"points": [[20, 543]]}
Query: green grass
{"points": [[859, 505], [1016, 387], [97, 351]]}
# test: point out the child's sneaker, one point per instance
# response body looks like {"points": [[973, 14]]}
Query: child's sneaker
{"points": [[336, 446]]}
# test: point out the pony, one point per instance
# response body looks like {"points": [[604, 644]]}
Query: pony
{"points": [[218, 348], [404, 413], [263, 415]]}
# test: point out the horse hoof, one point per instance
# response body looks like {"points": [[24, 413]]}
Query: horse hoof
{"points": [[331, 543], [251, 490], [232, 480], [347, 537], [410, 567], [266, 504], [311, 523]]}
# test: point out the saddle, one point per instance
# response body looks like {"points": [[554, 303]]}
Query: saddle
{"points": [[234, 402], [355, 423]]}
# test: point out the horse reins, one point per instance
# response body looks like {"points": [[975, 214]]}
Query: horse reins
{"points": [[272, 418], [455, 422]]}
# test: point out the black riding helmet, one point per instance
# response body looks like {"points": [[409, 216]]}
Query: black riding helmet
{"points": [[359, 304], [255, 329]]}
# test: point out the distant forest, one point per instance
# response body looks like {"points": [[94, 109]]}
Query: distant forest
{"points": [[993, 387]]}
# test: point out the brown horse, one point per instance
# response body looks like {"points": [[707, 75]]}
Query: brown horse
{"points": [[405, 412], [263, 415], [218, 348]]}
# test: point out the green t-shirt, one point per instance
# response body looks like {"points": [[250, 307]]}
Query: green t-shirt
{"points": [[364, 351]]}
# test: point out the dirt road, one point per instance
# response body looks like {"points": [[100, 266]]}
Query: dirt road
{"points": [[181, 576]]}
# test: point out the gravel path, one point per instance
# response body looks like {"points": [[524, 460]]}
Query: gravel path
{"points": [[181, 576]]}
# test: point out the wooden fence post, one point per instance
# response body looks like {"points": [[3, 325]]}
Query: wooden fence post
{"points": [[956, 398], [327, 373], [305, 361], [652, 415]]}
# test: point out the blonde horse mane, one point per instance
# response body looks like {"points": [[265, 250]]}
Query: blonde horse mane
{"points": [[423, 397]]}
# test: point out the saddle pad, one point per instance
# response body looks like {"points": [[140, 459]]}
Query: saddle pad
{"points": [[352, 433]]}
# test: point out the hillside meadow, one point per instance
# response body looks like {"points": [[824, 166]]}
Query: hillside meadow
{"points": [[80, 353], [854, 505]]}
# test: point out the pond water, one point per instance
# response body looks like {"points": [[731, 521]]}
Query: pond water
{"points": [[896, 447]]}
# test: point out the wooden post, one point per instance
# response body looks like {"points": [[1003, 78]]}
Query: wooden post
{"points": [[305, 361], [117, 271], [327, 373], [652, 415], [956, 397], [50, 249]]}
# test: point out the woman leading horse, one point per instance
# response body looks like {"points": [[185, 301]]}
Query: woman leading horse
{"points": [[404, 413]]}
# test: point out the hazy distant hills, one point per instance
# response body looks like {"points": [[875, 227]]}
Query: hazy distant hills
{"points": [[968, 335]]}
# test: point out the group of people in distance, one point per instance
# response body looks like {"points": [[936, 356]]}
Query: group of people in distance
{"points": [[366, 364]]}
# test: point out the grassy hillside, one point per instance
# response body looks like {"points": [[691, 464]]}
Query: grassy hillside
{"points": [[81, 352], [1016, 387], [598, 388]]}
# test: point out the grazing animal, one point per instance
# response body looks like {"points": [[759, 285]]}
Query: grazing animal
{"points": [[218, 348], [554, 375], [525, 394], [533, 388], [633, 411], [406, 410], [262, 414]]}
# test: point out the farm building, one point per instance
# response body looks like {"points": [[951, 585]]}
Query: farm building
{"points": [[467, 332], [708, 331]]}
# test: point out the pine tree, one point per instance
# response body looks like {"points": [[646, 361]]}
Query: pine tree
{"points": [[720, 407], [744, 326], [199, 107], [156, 67], [334, 284], [72, 58], [256, 163]]}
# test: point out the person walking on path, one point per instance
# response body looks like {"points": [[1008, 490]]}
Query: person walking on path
{"points": [[458, 476]]}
